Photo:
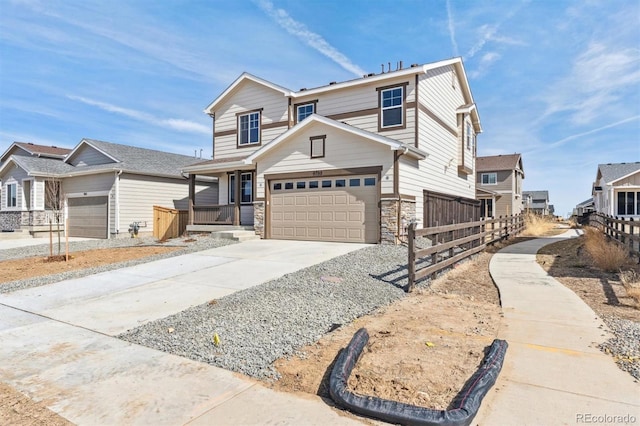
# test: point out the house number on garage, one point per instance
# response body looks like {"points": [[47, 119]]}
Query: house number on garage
{"points": [[317, 173]]}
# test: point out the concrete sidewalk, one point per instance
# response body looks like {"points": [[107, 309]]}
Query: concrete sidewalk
{"points": [[56, 342], [553, 374]]}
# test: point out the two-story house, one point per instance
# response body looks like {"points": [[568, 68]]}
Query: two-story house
{"points": [[537, 202], [349, 161], [616, 190], [499, 184]]}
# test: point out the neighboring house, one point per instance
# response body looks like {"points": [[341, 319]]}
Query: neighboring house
{"points": [[103, 187], [616, 190], [536, 202], [499, 184], [350, 161], [587, 206]]}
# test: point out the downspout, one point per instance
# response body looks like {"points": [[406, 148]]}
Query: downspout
{"points": [[396, 184], [117, 201]]}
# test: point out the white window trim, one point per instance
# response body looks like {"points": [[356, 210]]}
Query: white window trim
{"points": [[383, 108], [6, 204], [482, 175], [249, 114], [313, 110]]}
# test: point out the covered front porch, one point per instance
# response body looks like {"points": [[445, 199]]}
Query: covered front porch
{"points": [[235, 208]]}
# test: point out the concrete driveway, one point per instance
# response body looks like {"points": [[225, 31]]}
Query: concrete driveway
{"points": [[56, 344]]}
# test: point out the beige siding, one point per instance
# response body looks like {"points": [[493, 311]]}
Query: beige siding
{"points": [[631, 180], [88, 156], [363, 98], [14, 175], [342, 150], [439, 171], [138, 195], [249, 96]]}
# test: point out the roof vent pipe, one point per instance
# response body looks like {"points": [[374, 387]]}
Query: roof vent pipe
{"points": [[382, 66]]}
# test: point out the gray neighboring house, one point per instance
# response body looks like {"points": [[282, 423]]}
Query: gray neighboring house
{"points": [[584, 207], [616, 190], [104, 187], [537, 202], [499, 184]]}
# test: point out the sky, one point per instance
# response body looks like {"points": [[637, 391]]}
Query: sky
{"points": [[555, 80]]}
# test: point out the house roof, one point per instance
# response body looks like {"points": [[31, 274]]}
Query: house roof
{"points": [[585, 203], [366, 79], [499, 162], [536, 195], [393, 144], [37, 150], [124, 158], [219, 165], [617, 171], [133, 159]]}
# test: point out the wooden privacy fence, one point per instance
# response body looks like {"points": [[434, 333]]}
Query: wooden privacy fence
{"points": [[169, 223], [624, 231], [433, 249]]}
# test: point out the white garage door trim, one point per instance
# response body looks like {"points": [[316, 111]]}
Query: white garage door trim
{"points": [[327, 208], [88, 216]]}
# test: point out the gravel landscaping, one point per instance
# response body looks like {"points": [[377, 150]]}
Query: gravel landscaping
{"points": [[625, 345], [263, 323], [196, 243]]}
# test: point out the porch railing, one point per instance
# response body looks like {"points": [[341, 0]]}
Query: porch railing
{"points": [[213, 214]]}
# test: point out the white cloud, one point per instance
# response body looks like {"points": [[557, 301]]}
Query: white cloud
{"points": [[600, 78], [490, 33], [312, 39], [485, 63], [179, 125], [452, 29]]}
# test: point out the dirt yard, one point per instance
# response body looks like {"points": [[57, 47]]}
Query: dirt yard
{"points": [[421, 350]]}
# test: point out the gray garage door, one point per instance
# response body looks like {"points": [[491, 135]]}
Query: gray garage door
{"points": [[88, 217], [343, 209]]}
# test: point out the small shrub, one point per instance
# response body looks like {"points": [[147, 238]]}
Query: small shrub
{"points": [[606, 255]]}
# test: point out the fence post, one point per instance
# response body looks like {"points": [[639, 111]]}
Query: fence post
{"points": [[631, 234], [412, 257]]}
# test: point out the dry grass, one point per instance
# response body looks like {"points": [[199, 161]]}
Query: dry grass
{"points": [[537, 226], [631, 281], [606, 255]]}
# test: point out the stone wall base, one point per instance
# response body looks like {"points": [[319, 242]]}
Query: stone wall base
{"points": [[258, 217], [392, 231]]}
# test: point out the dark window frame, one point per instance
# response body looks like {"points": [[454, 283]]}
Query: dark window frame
{"points": [[243, 182], [313, 141], [403, 106], [239, 131]]}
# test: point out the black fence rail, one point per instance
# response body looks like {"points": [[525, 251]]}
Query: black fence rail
{"points": [[625, 231], [436, 248]]}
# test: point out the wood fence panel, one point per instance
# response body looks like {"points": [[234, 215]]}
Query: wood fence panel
{"points": [[169, 223]]}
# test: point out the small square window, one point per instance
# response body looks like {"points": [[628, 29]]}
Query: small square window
{"points": [[288, 185], [340, 183], [277, 186], [326, 184], [301, 185], [354, 182], [369, 181], [313, 184]]}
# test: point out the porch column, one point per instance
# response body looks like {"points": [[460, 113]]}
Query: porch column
{"points": [[238, 186], [192, 196]]}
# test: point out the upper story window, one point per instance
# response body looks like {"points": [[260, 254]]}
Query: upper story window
{"points": [[489, 178], [391, 107], [469, 134], [12, 195], [303, 111], [249, 128]]}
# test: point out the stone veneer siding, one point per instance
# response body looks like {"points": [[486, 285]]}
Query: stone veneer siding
{"points": [[258, 217], [389, 218], [10, 221]]}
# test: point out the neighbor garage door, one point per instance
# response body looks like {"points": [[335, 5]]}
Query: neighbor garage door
{"points": [[88, 217], [343, 209]]}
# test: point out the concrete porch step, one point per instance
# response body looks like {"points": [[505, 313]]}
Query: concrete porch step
{"points": [[236, 235]]}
